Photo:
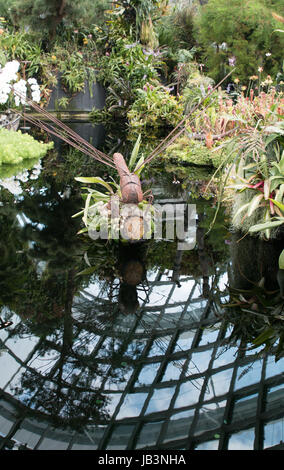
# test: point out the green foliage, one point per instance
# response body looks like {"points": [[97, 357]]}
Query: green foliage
{"points": [[51, 17], [155, 107], [22, 46], [132, 62], [74, 73], [124, 70], [137, 18], [196, 173], [16, 147], [246, 28], [195, 152], [259, 183], [281, 260], [175, 31], [196, 88]]}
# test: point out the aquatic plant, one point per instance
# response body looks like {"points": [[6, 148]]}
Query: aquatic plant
{"points": [[12, 176]]}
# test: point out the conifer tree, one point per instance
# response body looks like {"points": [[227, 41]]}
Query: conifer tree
{"points": [[243, 31], [47, 15]]}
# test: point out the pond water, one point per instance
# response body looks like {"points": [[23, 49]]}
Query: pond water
{"points": [[96, 361]]}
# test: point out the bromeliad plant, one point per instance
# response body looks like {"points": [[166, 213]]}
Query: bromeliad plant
{"points": [[259, 182], [105, 212]]}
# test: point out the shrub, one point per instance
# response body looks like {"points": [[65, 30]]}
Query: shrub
{"points": [[194, 152], [241, 30], [155, 107], [16, 147]]}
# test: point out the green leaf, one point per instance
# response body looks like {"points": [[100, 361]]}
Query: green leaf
{"points": [[264, 336], [134, 153], [266, 189], [267, 219], [83, 230], [253, 205], [278, 204], [267, 225], [77, 214], [138, 170], [87, 271], [85, 216], [281, 164], [238, 187], [275, 182], [95, 179], [280, 193], [281, 260]]}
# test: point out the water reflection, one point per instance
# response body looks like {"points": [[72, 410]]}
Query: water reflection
{"points": [[138, 352]]}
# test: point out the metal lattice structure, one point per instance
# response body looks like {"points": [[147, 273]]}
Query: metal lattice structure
{"points": [[169, 380]]}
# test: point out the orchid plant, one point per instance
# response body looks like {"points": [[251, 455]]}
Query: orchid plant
{"points": [[14, 90]]}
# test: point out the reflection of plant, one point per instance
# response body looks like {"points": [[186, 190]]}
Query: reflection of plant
{"points": [[12, 274], [257, 317], [20, 171]]}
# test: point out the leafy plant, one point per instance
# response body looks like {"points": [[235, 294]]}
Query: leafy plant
{"points": [[25, 48], [191, 151], [16, 147], [260, 174], [123, 70], [154, 107], [74, 73], [242, 30]]}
